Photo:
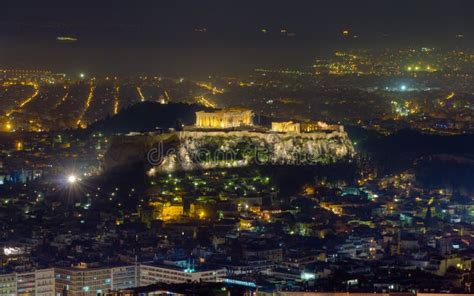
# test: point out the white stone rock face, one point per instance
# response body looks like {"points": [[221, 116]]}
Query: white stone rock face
{"points": [[219, 149]]}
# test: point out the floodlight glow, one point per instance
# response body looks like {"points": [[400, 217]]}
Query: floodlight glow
{"points": [[403, 87], [306, 276], [71, 179]]}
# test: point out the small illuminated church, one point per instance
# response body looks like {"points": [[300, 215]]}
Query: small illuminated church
{"points": [[226, 118]]}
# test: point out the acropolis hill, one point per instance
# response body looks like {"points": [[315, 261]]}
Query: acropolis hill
{"points": [[228, 138]]}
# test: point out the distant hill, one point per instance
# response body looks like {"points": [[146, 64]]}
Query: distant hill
{"points": [[437, 161], [147, 116], [361, 135], [400, 150], [410, 143]]}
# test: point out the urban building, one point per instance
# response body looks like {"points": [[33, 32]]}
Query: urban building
{"points": [[8, 284], [156, 273], [44, 282], [84, 281]]}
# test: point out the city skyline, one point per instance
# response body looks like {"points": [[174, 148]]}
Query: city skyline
{"points": [[225, 148]]}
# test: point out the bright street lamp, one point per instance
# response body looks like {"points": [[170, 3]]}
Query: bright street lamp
{"points": [[71, 179]]}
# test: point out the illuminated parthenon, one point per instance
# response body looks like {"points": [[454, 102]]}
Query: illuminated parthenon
{"points": [[304, 127], [286, 127], [226, 118], [237, 117]]}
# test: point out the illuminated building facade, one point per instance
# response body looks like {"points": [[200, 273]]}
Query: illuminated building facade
{"points": [[304, 127], [227, 118], [124, 276], [8, 284], [68, 281], [167, 211], [154, 273], [39, 282], [314, 126], [87, 281], [44, 282], [286, 127], [25, 283], [82, 281]]}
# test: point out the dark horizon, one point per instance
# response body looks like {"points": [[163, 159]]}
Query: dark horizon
{"points": [[162, 37]]}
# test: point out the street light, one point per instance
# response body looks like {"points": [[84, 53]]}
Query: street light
{"points": [[71, 179]]}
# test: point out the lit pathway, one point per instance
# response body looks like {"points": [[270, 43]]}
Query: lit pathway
{"points": [[86, 107], [140, 94], [116, 100], [27, 100]]}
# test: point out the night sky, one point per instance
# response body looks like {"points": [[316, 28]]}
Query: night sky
{"points": [[159, 36]]}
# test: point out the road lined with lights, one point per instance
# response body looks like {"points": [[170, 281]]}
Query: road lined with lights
{"points": [[167, 97], [27, 100], [86, 107], [140, 94], [449, 97], [116, 100], [208, 86], [63, 99], [205, 102]]}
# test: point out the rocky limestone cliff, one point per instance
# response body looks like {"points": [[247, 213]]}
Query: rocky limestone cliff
{"points": [[188, 150]]}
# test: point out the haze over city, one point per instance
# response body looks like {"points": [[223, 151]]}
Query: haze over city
{"points": [[236, 148], [221, 37]]}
